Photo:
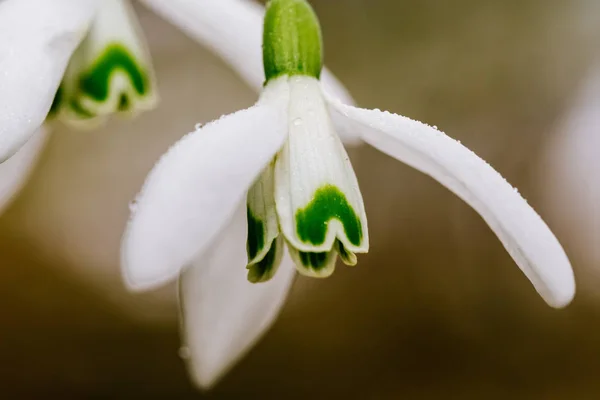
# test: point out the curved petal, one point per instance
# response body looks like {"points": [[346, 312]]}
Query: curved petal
{"points": [[37, 38], [224, 315], [15, 171], [194, 188], [524, 234], [233, 30]]}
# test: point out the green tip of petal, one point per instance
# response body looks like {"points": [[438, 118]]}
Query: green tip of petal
{"points": [[292, 42], [314, 265], [348, 257], [95, 82], [328, 203], [57, 103], [264, 270], [256, 235], [114, 83], [316, 261]]}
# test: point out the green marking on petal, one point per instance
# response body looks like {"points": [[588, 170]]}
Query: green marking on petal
{"points": [[56, 102], [348, 257], [328, 203], [124, 103], [265, 269], [314, 265], [79, 110], [256, 235], [95, 82], [314, 261]]}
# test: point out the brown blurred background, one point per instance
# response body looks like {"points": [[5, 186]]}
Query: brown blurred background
{"points": [[437, 310]]}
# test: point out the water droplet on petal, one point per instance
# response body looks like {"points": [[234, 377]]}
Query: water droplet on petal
{"points": [[297, 122], [133, 206], [184, 352], [198, 126]]}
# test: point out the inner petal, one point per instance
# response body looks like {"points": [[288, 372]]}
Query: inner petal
{"points": [[317, 195], [265, 244], [314, 265]]}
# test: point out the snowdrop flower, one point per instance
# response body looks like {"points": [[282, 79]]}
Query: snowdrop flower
{"points": [[240, 190], [570, 174], [83, 60]]}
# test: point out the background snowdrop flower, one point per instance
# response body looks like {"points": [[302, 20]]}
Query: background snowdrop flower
{"points": [[110, 72], [279, 168], [570, 174], [435, 299], [82, 60]]}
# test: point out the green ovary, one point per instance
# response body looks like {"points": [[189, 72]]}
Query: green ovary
{"points": [[328, 203], [292, 42], [95, 82]]}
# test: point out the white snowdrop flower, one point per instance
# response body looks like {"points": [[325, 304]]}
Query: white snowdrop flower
{"points": [[83, 60], [243, 189]]}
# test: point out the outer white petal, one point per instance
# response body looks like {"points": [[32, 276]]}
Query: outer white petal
{"points": [[37, 38], [15, 171], [524, 234], [224, 314], [233, 30], [194, 189]]}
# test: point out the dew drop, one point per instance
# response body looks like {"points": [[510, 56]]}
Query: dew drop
{"points": [[184, 352], [133, 206], [198, 126], [297, 122]]}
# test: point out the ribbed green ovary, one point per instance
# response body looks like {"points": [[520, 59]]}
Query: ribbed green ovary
{"points": [[292, 42], [328, 203], [95, 82]]}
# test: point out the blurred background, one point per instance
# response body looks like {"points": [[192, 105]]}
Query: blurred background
{"points": [[436, 310]]}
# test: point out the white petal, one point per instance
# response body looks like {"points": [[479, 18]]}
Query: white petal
{"points": [[15, 171], [314, 265], [37, 38], [233, 30], [316, 192], [261, 210], [111, 71], [224, 315], [194, 188], [524, 234]]}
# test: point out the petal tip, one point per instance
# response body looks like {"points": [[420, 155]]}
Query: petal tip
{"points": [[206, 379], [563, 296], [137, 280], [138, 274]]}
